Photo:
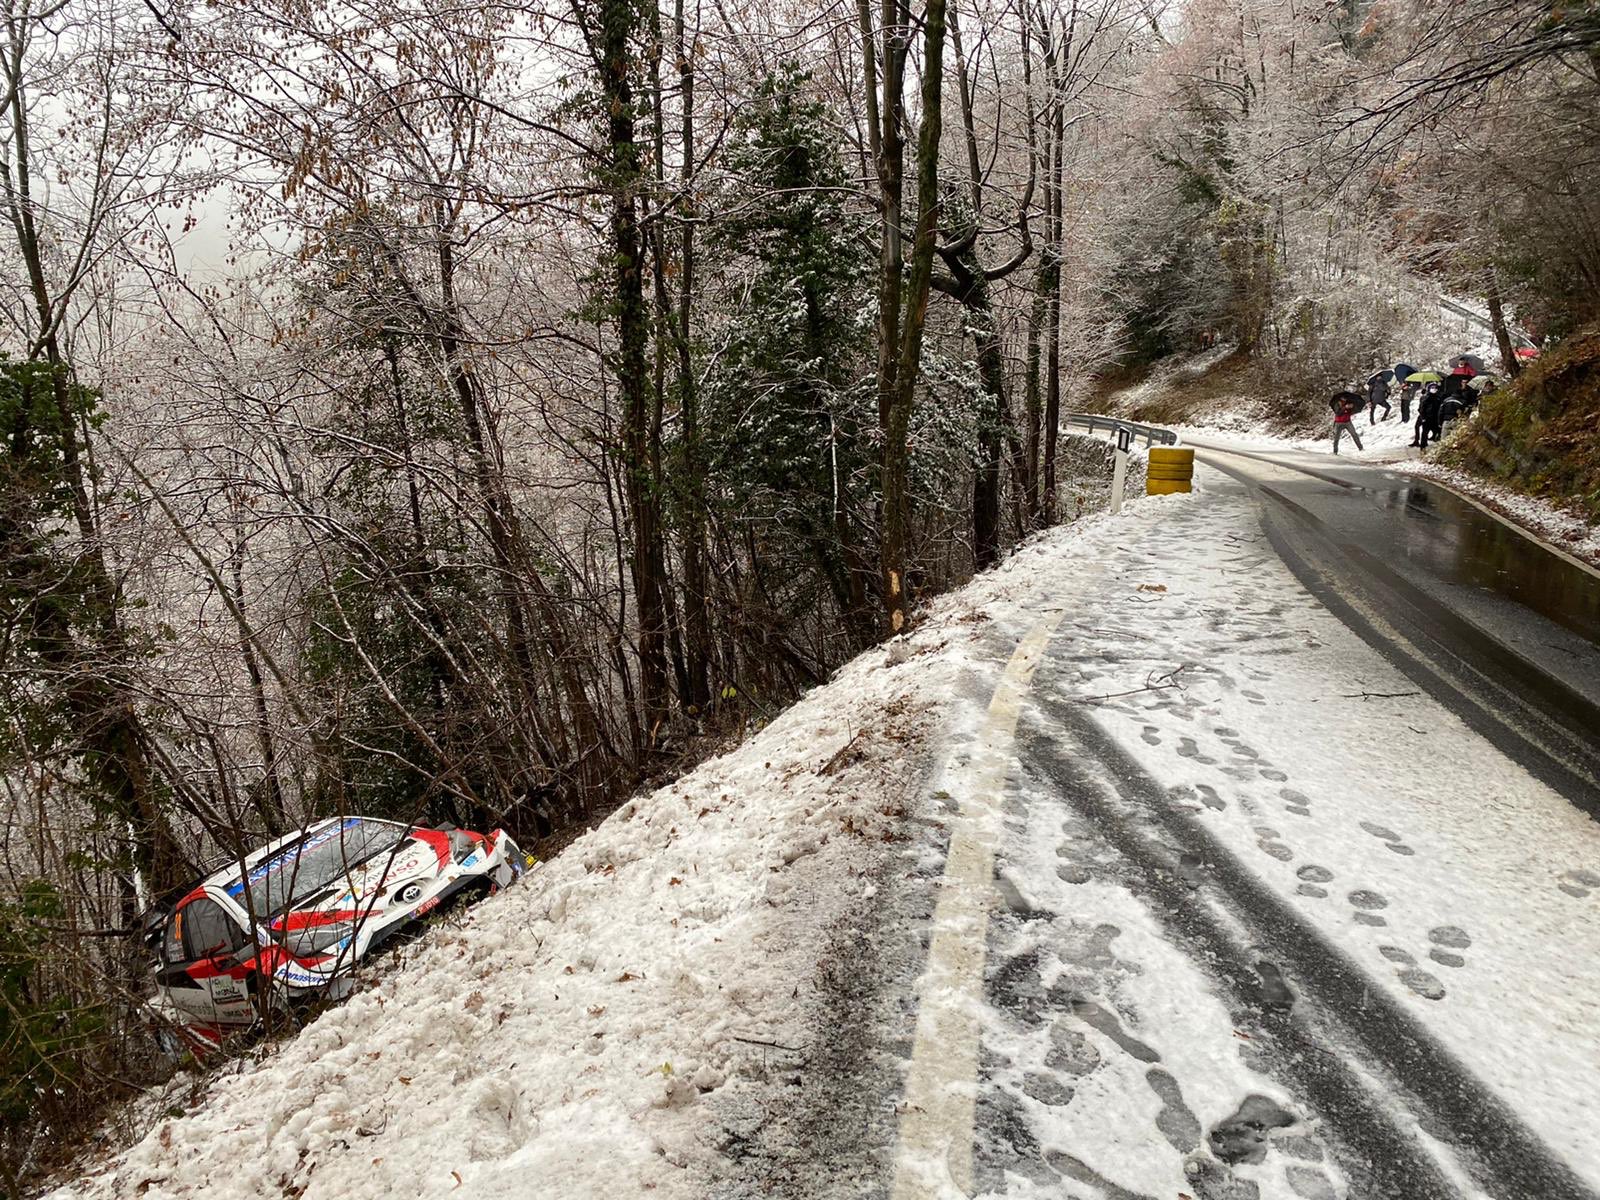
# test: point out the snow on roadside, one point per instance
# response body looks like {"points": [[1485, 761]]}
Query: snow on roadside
{"points": [[569, 1035], [1166, 373]]}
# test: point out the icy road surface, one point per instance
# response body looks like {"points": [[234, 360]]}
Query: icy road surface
{"points": [[1133, 871], [1251, 912]]}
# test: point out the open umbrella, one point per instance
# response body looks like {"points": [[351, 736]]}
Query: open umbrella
{"points": [[1424, 377], [1403, 370], [1472, 360], [1380, 376]]}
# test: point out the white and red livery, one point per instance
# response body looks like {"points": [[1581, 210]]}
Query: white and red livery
{"points": [[291, 921]]}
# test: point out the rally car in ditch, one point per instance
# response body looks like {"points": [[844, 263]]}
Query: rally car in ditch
{"points": [[292, 920]]}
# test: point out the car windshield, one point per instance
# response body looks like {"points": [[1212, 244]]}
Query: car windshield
{"points": [[302, 868]]}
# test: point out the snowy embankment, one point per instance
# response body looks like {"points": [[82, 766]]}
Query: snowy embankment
{"points": [[570, 1036]]}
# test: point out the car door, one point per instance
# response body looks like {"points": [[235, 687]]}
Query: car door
{"points": [[201, 974]]}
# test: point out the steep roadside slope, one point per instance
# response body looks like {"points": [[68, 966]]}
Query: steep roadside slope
{"points": [[589, 1030], [1541, 435]]}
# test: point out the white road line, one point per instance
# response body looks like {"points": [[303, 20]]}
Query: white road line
{"points": [[934, 1154]]}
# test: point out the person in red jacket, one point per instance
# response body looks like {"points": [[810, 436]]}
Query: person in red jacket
{"points": [[1345, 405]]}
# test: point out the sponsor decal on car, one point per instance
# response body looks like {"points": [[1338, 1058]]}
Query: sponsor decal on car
{"points": [[299, 978]]}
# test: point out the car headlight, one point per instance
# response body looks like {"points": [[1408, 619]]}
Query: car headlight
{"points": [[304, 942]]}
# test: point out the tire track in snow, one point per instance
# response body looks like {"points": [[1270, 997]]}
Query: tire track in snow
{"points": [[1341, 1011]]}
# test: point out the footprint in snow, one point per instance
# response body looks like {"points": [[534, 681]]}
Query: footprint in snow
{"points": [[1296, 802], [1579, 883], [1275, 848], [1389, 837], [1046, 1090], [1176, 1120], [1209, 797], [1273, 774], [1313, 876], [1366, 903], [1255, 698], [1423, 984], [1151, 736], [1310, 1183], [1447, 939], [1187, 748]]}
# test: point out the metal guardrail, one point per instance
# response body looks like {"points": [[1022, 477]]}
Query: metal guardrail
{"points": [[1093, 423], [1482, 322]]}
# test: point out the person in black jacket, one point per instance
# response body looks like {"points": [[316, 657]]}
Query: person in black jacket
{"points": [[1378, 395], [1402, 375], [1428, 415]]}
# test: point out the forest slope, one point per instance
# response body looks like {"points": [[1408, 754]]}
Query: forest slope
{"points": [[1541, 436]]}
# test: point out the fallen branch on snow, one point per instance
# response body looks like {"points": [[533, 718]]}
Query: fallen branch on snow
{"points": [[1152, 683]]}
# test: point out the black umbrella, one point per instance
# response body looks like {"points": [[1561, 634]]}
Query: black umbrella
{"points": [[1402, 369], [1472, 360], [1383, 376]]}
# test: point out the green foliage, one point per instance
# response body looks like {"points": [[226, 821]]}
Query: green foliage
{"points": [[373, 616], [788, 403], [1541, 435], [46, 603], [1195, 255], [43, 1035]]}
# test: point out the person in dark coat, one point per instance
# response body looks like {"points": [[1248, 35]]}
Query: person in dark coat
{"points": [[1428, 418], [1455, 383], [1345, 405], [1378, 394], [1402, 375], [1479, 386]]}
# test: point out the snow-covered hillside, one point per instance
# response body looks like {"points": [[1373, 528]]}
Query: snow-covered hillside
{"points": [[590, 1014]]}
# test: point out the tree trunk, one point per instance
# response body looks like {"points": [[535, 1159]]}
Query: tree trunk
{"points": [[269, 797], [896, 455], [638, 424], [97, 696], [1052, 259], [697, 624], [1502, 333], [991, 449]]}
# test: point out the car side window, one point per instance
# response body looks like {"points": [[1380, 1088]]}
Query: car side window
{"points": [[208, 930]]}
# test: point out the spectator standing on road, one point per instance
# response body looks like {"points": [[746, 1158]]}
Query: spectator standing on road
{"points": [[1345, 405], [1378, 394], [1478, 387], [1428, 415], [1402, 375]]}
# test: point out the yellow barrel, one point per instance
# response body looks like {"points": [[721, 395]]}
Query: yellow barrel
{"points": [[1171, 468]]}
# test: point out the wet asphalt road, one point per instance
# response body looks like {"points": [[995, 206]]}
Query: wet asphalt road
{"points": [[1496, 627]]}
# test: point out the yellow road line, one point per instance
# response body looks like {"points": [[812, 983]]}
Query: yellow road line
{"points": [[934, 1153]]}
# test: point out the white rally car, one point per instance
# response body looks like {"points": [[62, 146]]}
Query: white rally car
{"points": [[297, 915]]}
